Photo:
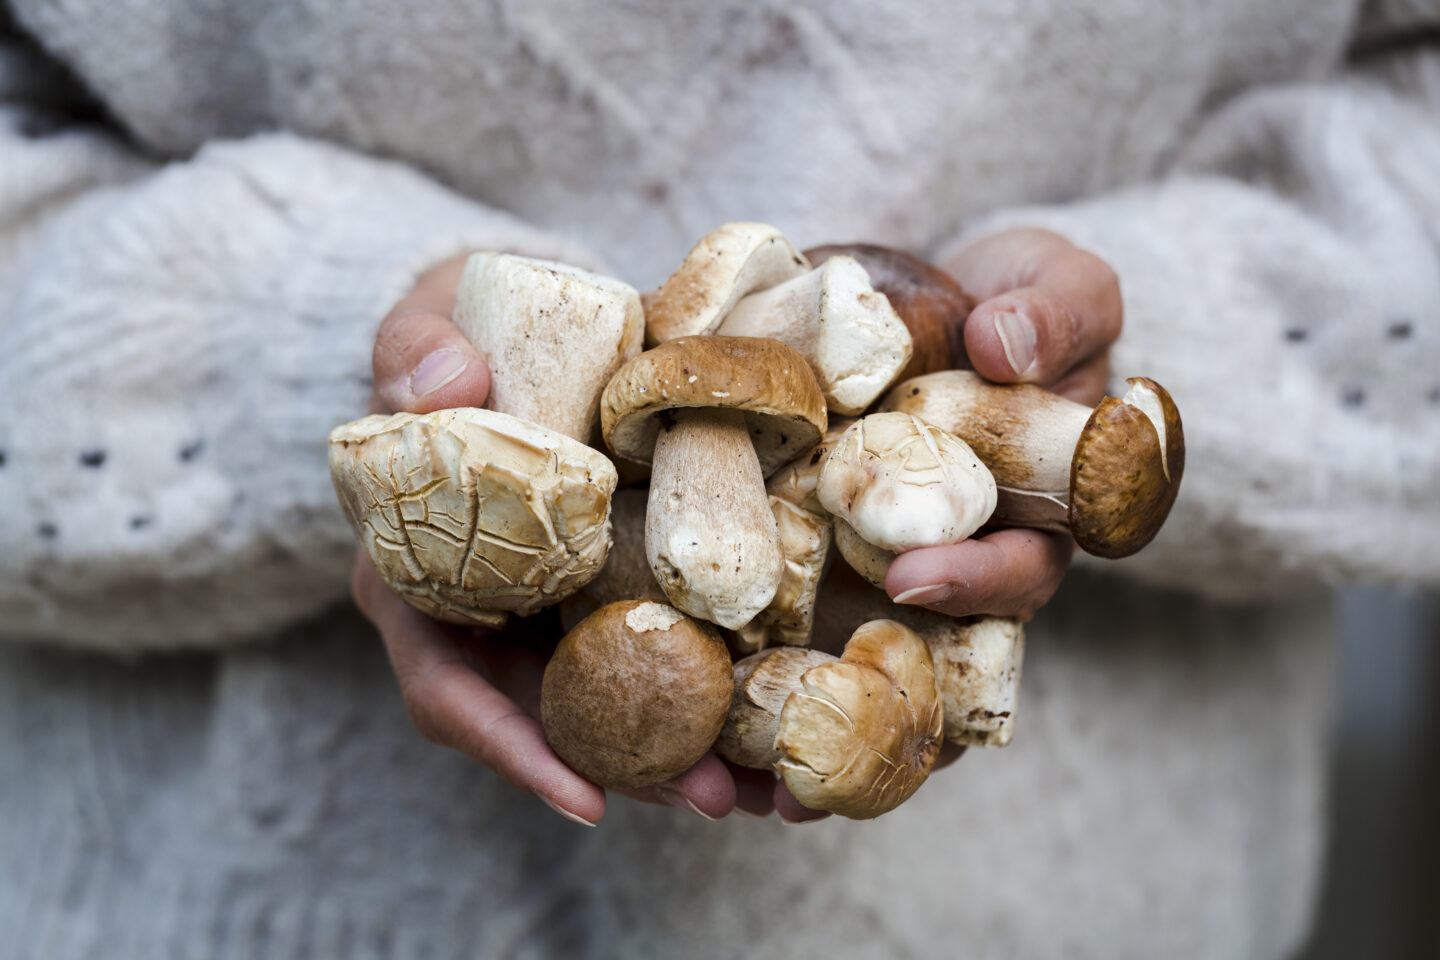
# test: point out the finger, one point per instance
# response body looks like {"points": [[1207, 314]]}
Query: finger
{"points": [[792, 810], [453, 706], [706, 789], [754, 790], [422, 361], [1086, 383], [1008, 573], [1046, 305], [949, 753]]}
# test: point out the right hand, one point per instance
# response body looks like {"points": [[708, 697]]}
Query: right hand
{"points": [[476, 692]]}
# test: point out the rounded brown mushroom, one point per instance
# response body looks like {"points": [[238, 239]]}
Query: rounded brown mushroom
{"points": [[929, 301], [856, 736], [635, 694], [1109, 475], [469, 514], [714, 416]]}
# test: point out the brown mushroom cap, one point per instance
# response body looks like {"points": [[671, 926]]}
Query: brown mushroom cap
{"points": [[635, 694], [768, 381], [1126, 471], [863, 732], [927, 299]]}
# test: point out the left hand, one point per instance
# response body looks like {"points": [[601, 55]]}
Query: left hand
{"points": [[1048, 313]]}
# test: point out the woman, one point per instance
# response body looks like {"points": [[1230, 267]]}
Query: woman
{"points": [[192, 291]]}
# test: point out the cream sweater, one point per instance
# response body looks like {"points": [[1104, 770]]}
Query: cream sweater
{"points": [[188, 294]]}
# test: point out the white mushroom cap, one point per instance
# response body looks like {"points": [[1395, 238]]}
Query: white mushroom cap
{"points": [[903, 483], [854, 341], [552, 334], [470, 513], [729, 262]]}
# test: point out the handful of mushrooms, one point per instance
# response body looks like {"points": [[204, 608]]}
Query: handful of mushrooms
{"points": [[768, 412]]}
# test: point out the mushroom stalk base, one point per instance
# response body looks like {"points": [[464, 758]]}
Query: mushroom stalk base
{"points": [[710, 535]]}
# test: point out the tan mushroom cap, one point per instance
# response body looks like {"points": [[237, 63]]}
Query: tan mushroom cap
{"points": [[763, 682], [635, 694], [766, 380], [469, 514], [1127, 470], [866, 559], [978, 660], [929, 301], [862, 733], [727, 263]]}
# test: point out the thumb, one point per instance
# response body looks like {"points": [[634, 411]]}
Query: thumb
{"points": [[422, 362]]}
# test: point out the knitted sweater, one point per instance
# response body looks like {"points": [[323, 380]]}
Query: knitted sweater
{"points": [[189, 289]]}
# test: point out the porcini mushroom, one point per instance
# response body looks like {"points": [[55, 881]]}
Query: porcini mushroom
{"points": [[856, 735], [902, 483], [866, 559], [471, 513], [729, 262], [552, 334], [833, 317], [714, 415], [978, 660], [805, 537], [929, 301], [1108, 475], [626, 574], [635, 694]]}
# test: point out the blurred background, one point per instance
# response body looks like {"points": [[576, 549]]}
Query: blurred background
{"points": [[1380, 896]]}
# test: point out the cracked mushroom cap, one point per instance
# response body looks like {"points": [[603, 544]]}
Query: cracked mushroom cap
{"points": [[729, 262], [862, 733], [929, 301], [1126, 471], [766, 380], [469, 514], [903, 483], [635, 694]]}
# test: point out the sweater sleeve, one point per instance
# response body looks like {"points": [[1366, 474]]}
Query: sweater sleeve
{"points": [[175, 343], [1284, 282]]}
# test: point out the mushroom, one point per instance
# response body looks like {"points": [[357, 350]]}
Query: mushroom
{"points": [[635, 694], [856, 735], [849, 334], [805, 537], [626, 574], [471, 513], [977, 659], [932, 304], [1108, 475], [763, 682], [714, 415], [902, 483], [729, 262], [552, 334], [866, 559]]}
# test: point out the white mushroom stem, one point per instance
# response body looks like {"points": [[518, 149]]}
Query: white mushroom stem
{"points": [[710, 535]]}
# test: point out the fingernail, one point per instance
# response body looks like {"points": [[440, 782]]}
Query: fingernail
{"points": [[572, 817], [678, 800], [934, 593], [436, 370], [1017, 336]]}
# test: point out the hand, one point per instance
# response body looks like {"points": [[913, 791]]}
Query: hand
{"points": [[476, 692], [1048, 314]]}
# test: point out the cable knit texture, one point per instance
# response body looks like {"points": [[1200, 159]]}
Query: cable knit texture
{"points": [[191, 275]]}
